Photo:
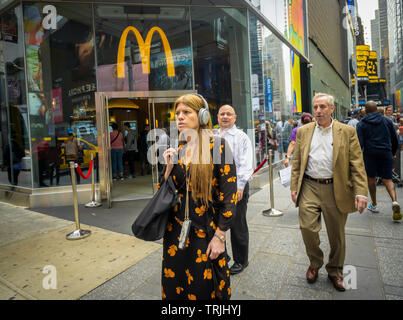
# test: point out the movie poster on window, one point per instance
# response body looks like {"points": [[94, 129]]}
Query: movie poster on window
{"points": [[33, 36], [34, 68]]}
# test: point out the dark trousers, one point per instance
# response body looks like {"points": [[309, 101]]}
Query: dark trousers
{"points": [[239, 230], [131, 157]]}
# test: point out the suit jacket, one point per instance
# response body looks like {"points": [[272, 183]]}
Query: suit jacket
{"points": [[349, 176]]}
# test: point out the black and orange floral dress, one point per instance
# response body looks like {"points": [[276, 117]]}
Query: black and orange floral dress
{"points": [[189, 273]]}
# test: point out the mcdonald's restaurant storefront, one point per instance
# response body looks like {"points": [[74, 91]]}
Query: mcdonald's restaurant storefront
{"points": [[75, 68]]}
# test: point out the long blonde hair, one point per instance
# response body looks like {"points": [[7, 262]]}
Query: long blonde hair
{"points": [[201, 172]]}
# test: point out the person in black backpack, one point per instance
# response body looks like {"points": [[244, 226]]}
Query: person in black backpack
{"points": [[379, 143]]}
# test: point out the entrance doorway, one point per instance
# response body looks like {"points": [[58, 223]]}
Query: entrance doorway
{"points": [[138, 112]]}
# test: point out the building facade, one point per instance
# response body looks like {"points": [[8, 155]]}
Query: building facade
{"points": [[328, 43], [70, 69], [395, 37], [375, 34]]}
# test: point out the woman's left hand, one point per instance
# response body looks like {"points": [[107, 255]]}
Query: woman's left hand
{"points": [[215, 248]]}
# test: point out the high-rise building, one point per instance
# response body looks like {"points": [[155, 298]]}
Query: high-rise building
{"points": [[360, 36], [395, 39], [328, 52], [375, 34], [383, 53]]}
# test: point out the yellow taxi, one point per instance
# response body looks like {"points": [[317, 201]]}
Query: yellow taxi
{"points": [[87, 149]]}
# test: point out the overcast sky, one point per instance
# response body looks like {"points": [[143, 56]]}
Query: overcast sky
{"points": [[366, 10]]}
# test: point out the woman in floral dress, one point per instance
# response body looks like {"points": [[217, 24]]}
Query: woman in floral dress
{"points": [[199, 271]]}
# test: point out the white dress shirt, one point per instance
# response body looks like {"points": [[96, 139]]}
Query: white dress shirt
{"points": [[242, 152], [320, 159]]}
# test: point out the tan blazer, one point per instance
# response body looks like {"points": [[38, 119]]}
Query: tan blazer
{"points": [[349, 176]]}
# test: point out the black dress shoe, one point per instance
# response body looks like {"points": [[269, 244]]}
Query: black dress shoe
{"points": [[237, 268]]}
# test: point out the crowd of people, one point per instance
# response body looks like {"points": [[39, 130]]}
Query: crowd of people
{"points": [[333, 167]]}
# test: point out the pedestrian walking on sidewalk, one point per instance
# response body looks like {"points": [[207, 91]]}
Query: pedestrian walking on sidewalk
{"points": [[355, 115], [379, 142], [328, 177], [305, 119], [199, 271], [243, 157]]}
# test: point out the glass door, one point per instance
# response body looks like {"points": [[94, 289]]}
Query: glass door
{"points": [[134, 130], [163, 122]]}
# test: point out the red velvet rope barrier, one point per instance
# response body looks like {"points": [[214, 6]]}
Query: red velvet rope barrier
{"points": [[261, 165], [81, 173]]}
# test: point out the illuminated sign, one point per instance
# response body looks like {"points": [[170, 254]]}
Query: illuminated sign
{"points": [[372, 66], [362, 58], [144, 47]]}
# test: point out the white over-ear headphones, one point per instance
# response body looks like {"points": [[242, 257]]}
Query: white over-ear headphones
{"points": [[204, 114]]}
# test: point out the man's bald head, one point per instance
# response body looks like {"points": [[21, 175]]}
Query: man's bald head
{"points": [[370, 107], [226, 107], [226, 117]]}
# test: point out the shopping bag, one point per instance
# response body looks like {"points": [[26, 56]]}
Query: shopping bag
{"points": [[285, 176]]}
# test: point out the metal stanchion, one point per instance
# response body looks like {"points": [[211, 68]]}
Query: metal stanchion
{"points": [[271, 212], [93, 203], [78, 233]]}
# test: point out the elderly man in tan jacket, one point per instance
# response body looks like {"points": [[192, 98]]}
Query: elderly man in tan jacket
{"points": [[328, 177]]}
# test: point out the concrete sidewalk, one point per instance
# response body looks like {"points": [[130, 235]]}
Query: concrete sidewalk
{"points": [[277, 258]]}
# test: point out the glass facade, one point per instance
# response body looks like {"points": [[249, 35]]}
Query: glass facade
{"points": [[221, 60], [15, 149], [61, 81], [54, 57], [168, 30], [273, 91]]}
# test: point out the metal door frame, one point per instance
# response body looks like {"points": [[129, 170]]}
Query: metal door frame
{"points": [[102, 124]]}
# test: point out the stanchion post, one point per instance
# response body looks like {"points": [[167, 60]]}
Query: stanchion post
{"points": [[78, 233], [271, 212], [93, 203]]}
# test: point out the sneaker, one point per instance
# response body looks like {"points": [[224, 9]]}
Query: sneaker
{"points": [[121, 178], [373, 207], [397, 214]]}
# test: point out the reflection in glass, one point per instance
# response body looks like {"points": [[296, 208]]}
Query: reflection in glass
{"points": [[153, 34], [61, 84], [273, 92], [221, 60], [14, 144]]}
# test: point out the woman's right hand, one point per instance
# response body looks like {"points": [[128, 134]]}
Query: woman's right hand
{"points": [[168, 157]]}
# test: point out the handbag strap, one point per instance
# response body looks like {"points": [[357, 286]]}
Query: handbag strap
{"points": [[187, 177], [114, 139]]}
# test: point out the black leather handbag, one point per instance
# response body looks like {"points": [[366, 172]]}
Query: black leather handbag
{"points": [[150, 225]]}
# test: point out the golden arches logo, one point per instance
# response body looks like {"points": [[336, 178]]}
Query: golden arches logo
{"points": [[144, 47]]}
